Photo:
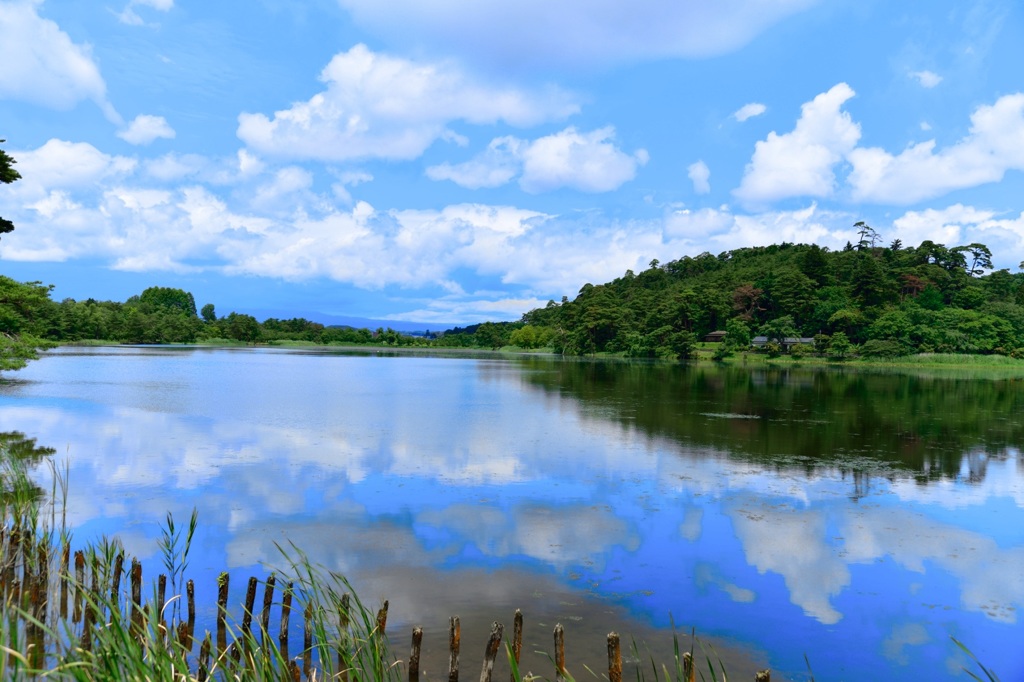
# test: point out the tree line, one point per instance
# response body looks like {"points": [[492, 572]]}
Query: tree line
{"points": [[873, 300]]}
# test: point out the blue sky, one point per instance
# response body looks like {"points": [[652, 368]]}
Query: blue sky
{"points": [[448, 161]]}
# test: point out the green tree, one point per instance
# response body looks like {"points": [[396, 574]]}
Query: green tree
{"points": [[243, 328], [737, 334], [27, 316], [840, 346], [981, 258], [177, 300], [778, 329], [209, 313], [7, 176]]}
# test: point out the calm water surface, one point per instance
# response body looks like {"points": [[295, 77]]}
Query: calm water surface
{"points": [[860, 519]]}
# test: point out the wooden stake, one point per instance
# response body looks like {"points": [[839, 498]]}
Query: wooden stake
{"points": [[414, 655], [136, 580], [204, 659], [454, 635], [65, 576], [115, 588], [614, 658], [184, 637], [343, 637], [286, 608], [382, 618], [559, 653], [79, 585], [161, 593], [307, 641], [250, 599], [493, 644], [517, 640], [689, 670], [190, 590], [268, 601], [222, 612]]}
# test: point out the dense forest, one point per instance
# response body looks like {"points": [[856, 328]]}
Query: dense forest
{"points": [[866, 299]]}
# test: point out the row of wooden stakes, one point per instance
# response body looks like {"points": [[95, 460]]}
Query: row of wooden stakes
{"points": [[32, 592]]}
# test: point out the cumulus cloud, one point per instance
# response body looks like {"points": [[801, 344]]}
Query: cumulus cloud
{"points": [[927, 79], [586, 161], [994, 145], [801, 162], [699, 174], [59, 164], [144, 129], [43, 66], [748, 111], [574, 32], [379, 106], [721, 229]]}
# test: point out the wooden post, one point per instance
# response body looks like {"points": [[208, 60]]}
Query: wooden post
{"points": [[136, 580], [65, 576], [307, 641], [190, 590], [161, 593], [559, 653], [115, 586], [614, 658], [517, 640], [222, 612], [204, 659], [763, 676], [286, 608], [382, 618], [414, 655], [293, 668], [76, 615], [343, 641], [689, 670], [42, 582], [268, 601], [454, 635], [250, 599], [493, 644], [184, 637]]}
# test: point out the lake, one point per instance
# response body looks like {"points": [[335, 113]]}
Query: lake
{"points": [[860, 518]]}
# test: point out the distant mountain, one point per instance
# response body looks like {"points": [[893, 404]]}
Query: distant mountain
{"points": [[342, 320]]}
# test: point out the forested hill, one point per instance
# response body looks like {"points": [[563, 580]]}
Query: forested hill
{"points": [[890, 300]]}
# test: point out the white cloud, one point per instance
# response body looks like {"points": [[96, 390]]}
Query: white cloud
{"points": [[959, 224], [346, 180], [574, 32], [718, 230], [794, 549], [994, 145], [379, 106], [497, 165], [43, 66], [130, 17], [800, 163], [589, 162], [748, 111], [940, 226], [699, 174], [927, 79], [59, 164], [144, 129]]}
